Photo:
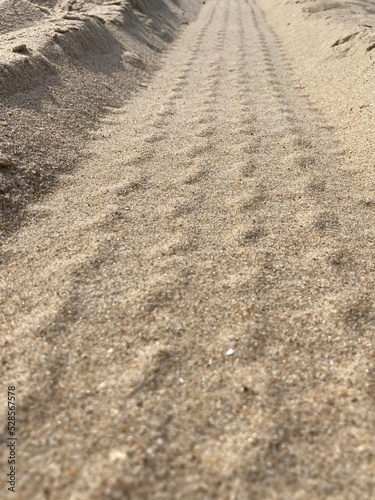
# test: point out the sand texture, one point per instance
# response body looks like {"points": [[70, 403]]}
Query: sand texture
{"points": [[190, 313]]}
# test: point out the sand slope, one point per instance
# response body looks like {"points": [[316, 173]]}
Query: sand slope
{"points": [[62, 67], [190, 315]]}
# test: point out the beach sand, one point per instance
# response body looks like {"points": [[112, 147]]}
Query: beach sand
{"points": [[189, 312]]}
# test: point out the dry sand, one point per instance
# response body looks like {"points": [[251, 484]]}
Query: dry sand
{"points": [[81, 60], [190, 314]]}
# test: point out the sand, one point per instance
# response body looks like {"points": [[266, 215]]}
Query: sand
{"points": [[82, 60], [189, 313]]}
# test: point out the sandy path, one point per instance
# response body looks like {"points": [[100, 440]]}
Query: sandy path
{"points": [[216, 213]]}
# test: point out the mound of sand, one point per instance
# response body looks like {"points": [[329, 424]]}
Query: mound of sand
{"points": [[62, 65]]}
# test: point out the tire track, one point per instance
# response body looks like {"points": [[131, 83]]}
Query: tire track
{"points": [[197, 308]]}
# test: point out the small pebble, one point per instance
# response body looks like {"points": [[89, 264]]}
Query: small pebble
{"points": [[229, 352], [20, 48], [58, 47], [132, 57]]}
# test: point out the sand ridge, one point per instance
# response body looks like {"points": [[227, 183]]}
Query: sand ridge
{"points": [[63, 66]]}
